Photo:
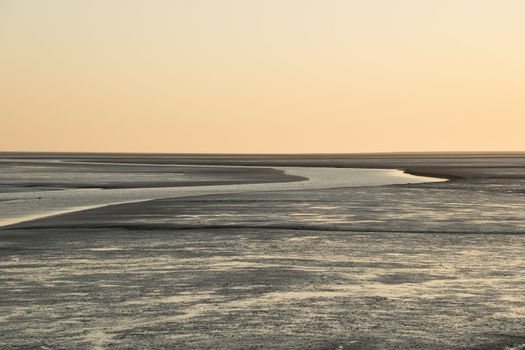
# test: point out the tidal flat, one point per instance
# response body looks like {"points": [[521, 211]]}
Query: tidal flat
{"points": [[406, 266]]}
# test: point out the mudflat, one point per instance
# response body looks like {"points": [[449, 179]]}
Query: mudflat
{"points": [[417, 266]]}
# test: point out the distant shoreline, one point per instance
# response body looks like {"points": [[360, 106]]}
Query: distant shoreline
{"points": [[449, 165]]}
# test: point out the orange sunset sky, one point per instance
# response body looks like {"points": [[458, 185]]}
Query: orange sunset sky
{"points": [[269, 76]]}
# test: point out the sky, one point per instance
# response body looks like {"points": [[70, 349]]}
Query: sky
{"points": [[262, 76]]}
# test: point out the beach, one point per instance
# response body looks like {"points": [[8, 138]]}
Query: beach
{"points": [[424, 265]]}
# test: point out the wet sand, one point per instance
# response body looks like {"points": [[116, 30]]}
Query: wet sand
{"points": [[271, 289], [419, 266]]}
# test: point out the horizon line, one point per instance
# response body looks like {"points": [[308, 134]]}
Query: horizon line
{"points": [[262, 153]]}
